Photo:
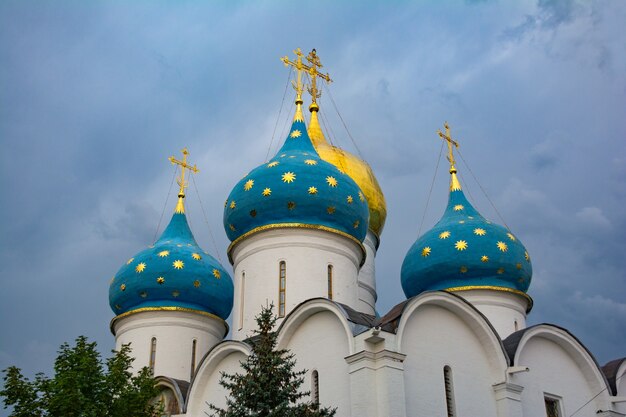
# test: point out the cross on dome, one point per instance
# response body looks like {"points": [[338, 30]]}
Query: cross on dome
{"points": [[455, 185], [180, 207]]}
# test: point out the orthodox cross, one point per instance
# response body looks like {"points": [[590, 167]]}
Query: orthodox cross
{"points": [[451, 142], [299, 67], [181, 181], [315, 62]]}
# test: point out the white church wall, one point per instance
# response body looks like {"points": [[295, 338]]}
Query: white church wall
{"points": [[307, 254], [174, 332], [559, 368], [205, 388], [367, 277], [437, 331], [505, 311], [320, 342], [621, 389]]}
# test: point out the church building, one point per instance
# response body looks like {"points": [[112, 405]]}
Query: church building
{"points": [[304, 228]]}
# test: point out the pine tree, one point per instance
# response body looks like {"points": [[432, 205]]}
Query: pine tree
{"points": [[82, 387], [269, 385]]}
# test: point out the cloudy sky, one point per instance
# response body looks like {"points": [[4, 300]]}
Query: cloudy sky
{"points": [[94, 96]]}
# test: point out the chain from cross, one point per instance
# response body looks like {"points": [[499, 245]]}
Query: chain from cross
{"points": [[183, 166], [450, 142]]}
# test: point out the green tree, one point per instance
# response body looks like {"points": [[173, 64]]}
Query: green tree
{"points": [[82, 387], [269, 386]]}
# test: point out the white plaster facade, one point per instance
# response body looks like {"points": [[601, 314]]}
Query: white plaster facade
{"points": [[464, 353]]}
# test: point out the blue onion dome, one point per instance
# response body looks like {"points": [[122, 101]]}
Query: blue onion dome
{"points": [[173, 274], [465, 251], [296, 189]]}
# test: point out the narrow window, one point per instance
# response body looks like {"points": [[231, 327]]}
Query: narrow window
{"points": [[242, 299], [553, 408], [282, 284], [330, 282], [515, 325], [193, 358], [447, 379], [315, 388], [152, 354]]}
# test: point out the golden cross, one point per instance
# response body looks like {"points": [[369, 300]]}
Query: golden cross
{"points": [[451, 142], [299, 66], [181, 181], [314, 73]]}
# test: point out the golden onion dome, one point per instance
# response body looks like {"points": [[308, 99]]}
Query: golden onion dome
{"points": [[356, 168]]}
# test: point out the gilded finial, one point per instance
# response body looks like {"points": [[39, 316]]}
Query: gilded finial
{"points": [[455, 185], [315, 62], [180, 207]]}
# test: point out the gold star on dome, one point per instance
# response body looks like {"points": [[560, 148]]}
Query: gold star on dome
{"points": [[163, 253], [502, 246], [361, 197], [460, 245], [526, 256], [266, 192], [521, 280], [178, 264], [160, 280], [196, 283], [426, 251], [295, 134], [196, 256], [511, 236], [349, 199], [175, 293], [444, 235], [356, 224], [253, 213], [518, 265], [123, 287], [140, 268], [463, 269], [143, 294], [129, 261], [484, 258], [291, 205], [312, 190], [217, 274], [231, 227], [500, 271], [233, 204], [117, 306], [480, 232], [331, 181], [248, 185], [458, 207], [330, 210], [310, 162], [272, 164], [288, 177]]}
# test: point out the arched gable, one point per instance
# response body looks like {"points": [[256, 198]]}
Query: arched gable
{"points": [[556, 358], [570, 344], [172, 394], [473, 318], [224, 357], [305, 310]]}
